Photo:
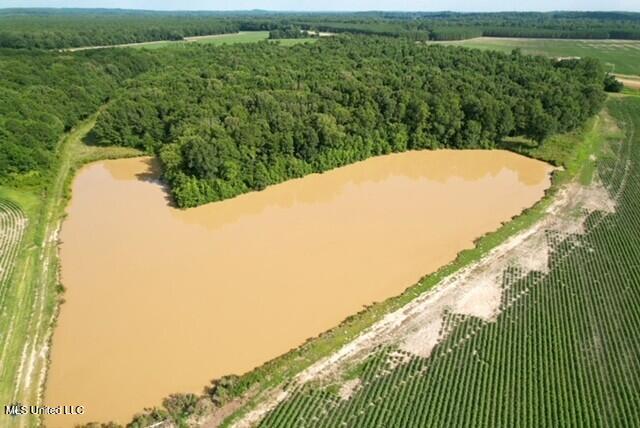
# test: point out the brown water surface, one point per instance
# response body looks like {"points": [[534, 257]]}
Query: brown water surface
{"points": [[161, 300]]}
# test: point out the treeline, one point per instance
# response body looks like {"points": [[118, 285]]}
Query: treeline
{"points": [[229, 120], [289, 32], [45, 94], [184, 410], [556, 25], [57, 29], [457, 26], [76, 30]]}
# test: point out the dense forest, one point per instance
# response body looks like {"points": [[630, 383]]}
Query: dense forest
{"points": [[562, 25], [57, 29], [44, 94], [455, 26], [65, 31], [231, 119]]}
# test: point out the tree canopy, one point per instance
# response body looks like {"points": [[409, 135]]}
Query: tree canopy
{"points": [[65, 28], [231, 119], [45, 94]]}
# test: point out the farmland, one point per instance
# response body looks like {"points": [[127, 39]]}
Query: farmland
{"points": [[215, 40], [30, 289], [560, 347], [620, 56], [12, 227], [536, 324]]}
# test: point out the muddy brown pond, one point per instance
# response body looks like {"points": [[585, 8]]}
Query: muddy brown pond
{"points": [[160, 300]]}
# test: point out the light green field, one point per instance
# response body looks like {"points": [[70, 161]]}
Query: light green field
{"points": [[291, 42], [620, 56], [225, 39], [241, 37]]}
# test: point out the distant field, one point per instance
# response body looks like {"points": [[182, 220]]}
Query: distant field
{"points": [[214, 39], [291, 42], [223, 39], [620, 56]]}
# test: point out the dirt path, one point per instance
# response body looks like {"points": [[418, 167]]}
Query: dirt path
{"points": [[629, 81], [155, 42], [535, 39], [33, 307], [475, 290]]}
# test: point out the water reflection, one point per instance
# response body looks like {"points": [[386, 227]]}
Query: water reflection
{"points": [[438, 166], [160, 300]]}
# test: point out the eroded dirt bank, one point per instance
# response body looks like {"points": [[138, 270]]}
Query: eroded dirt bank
{"points": [[476, 290]]}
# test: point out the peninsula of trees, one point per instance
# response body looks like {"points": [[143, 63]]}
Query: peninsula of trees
{"points": [[231, 119]]}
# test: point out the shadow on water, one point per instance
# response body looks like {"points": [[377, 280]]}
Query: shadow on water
{"points": [[153, 174], [521, 147]]}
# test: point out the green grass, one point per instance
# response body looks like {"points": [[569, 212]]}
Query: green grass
{"points": [[33, 290], [563, 351], [39, 288], [573, 150], [576, 152], [216, 40], [226, 39], [631, 91], [621, 57], [242, 37]]}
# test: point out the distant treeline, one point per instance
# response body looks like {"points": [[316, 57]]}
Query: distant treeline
{"points": [[458, 26], [62, 31], [45, 94], [232, 119], [289, 32], [56, 29], [557, 25]]}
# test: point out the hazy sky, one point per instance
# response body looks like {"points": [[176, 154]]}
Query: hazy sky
{"points": [[315, 5]]}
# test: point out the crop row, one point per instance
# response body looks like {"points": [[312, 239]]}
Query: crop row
{"points": [[564, 351], [12, 225]]}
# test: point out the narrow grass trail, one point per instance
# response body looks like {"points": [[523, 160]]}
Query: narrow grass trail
{"points": [[29, 296]]}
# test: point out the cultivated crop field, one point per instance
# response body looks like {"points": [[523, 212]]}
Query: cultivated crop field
{"points": [[536, 325], [560, 348], [214, 39], [226, 39], [620, 56], [12, 224]]}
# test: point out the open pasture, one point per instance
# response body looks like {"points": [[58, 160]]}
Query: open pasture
{"points": [[225, 39], [619, 56]]}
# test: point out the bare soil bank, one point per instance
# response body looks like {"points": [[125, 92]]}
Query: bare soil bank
{"points": [[161, 300]]}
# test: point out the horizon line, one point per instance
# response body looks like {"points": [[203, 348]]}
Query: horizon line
{"points": [[319, 10]]}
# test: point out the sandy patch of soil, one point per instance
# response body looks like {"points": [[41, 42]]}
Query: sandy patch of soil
{"points": [[474, 291], [349, 388], [635, 84]]}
